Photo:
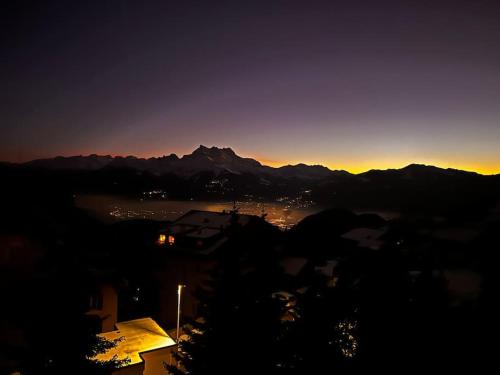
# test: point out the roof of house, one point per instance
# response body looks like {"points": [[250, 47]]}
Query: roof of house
{"points": [[327, 269], [211, 219], [366, 237], [138, 336], [293, 265], [204, 233], [207, 227]]}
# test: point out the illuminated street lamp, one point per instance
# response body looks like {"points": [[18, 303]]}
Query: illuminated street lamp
{"points": [[179, 294]]}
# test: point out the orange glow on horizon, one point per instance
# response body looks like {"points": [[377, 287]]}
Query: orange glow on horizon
{"points": [[359, 165]]}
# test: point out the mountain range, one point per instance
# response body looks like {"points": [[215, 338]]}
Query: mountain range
{"points": [[211, 173], [203, 159], [218, 160]]}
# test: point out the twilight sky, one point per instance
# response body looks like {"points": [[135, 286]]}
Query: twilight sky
{"points": [[348, 84]]}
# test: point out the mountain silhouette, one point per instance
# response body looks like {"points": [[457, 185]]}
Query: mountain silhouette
{"points": [[213, 173], [203, 159]]}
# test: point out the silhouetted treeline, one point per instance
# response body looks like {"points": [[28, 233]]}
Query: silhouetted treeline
{"points": [[411, 190]]}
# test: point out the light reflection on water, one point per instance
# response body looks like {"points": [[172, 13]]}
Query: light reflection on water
{"points": [[111, 208]]}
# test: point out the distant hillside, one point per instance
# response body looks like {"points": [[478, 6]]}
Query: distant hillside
{"points": [[219, 173], [414, 188]]}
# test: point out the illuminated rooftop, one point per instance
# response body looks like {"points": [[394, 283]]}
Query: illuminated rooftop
{"points": [[202, 232], [366, 237], [209, 219], [139, 336]]}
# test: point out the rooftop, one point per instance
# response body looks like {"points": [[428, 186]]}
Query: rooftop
{"points": [[366, 237], [139, 336], [203, 232], [210, 219]]}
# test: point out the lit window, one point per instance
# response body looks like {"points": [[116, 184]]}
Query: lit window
{"points": [[171, 240], [162, 239]]}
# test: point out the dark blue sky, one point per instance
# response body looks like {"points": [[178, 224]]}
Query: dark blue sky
{"points": [[348, 84]]}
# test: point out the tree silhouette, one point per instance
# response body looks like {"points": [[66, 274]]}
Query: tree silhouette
{"points": [[239, 321]]}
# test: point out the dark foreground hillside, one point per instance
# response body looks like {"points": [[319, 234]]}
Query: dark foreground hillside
{"points": [[340, 291]]}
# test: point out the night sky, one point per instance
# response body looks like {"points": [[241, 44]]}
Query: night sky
{"points": [[347, 84]]}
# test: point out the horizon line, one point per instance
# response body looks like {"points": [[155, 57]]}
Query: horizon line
{"points": [[279, 164]]}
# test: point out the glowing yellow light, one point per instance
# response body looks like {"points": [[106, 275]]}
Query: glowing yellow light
{"points": [[162, 239], [136, 337]]}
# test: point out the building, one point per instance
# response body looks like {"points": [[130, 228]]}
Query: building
{"points": [[328, 270], [202, 232], [366, 237], [141, 342], [103, 306], [191, 248]]}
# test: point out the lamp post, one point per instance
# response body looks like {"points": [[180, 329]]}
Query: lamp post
{"points": [[179, 294]]}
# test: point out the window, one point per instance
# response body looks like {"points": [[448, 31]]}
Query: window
{"points": [[161, 239], [171, 240], [95, 301]]}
